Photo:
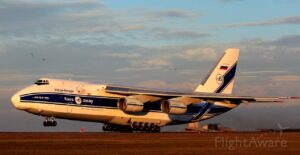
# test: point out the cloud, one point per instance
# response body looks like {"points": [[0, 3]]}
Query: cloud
{"points": [[133, 28], [271, 50], [87, 14], [36, 19], [165, 58], [288, 41], [90, 22], [8, 92], [162, 33], [259, 57], [271, 85], [125, 55], [173, 13], [292, 20], [264, 72], [28, 11], [134, 69], [144, 64], [199, 53], [157, 62], [286, 78]]}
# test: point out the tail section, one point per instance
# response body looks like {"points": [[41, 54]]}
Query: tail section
{"points": [[221, 78]]}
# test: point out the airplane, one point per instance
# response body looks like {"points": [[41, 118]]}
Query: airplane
{"points": [[134, 109]]}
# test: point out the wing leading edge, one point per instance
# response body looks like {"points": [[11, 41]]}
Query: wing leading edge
{"points": [[128, 91]]}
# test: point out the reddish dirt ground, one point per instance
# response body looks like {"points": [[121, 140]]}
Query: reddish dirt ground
{"points": [[149, 143]]}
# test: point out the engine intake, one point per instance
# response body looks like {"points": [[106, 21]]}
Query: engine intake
{"points": [[130, 104], [173, 107]]}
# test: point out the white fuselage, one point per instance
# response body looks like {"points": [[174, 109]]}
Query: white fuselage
{"points": [[83, 101]]}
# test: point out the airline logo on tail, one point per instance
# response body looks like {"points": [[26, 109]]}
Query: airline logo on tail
{"points": [[220, 79]]}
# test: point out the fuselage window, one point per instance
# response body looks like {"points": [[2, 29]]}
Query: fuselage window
{"points": [[42, 82]]}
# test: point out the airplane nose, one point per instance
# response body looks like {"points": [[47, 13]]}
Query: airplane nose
{"points": [[15, 99]]}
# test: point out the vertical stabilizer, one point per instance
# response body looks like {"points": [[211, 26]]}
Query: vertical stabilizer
{"points": [[221, 78]]}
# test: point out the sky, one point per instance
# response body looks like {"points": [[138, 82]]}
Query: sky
{"points": [[159, 44]]}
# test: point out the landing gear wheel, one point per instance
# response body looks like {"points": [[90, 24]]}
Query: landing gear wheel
{"points": [[142, 127], [49, 122], [157, 129], [45, 123], [104, 128], [108, 128], [54, 123], [127, 129]]}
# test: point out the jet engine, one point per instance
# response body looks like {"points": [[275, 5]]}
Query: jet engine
{"points": [[131, 104], [173, 107]]}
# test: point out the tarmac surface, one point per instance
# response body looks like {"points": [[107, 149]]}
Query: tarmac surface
{"points": [[150, 143]]}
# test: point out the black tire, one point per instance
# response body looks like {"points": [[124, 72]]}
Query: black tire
{"points": [[130, 129], [146, 126], [127, 129], [135, 128], [157, 129], [45, 123], [141, 128], [50, 123], [108, 128]]}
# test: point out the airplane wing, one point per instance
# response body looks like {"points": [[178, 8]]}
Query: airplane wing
{"points": [[129, 91]]}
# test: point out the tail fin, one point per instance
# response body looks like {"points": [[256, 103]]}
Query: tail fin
{"points": [[221, 78]]}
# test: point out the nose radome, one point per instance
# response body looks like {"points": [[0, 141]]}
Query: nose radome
{"points": [[16, 100]]}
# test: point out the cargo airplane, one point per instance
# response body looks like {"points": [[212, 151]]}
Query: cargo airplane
{"points": [[128, 109]]}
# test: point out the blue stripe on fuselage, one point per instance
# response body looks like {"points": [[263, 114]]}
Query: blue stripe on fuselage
{"points": [[69, 99], [203, 110]]}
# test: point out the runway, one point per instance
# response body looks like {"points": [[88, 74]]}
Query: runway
{"points": [[150, 143]]}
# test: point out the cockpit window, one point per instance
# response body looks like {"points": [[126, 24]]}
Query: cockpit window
{"points": [[42, 82]]}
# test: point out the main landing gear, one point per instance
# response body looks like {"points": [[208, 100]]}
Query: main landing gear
{"points": [[119, 128], [136, 126], [49, 122]]}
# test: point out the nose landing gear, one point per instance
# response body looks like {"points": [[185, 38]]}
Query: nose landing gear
{"points": [[49, 122]]}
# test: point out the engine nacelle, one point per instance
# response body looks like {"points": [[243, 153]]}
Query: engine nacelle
{"points": [[130, 104], [173, 107]]}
